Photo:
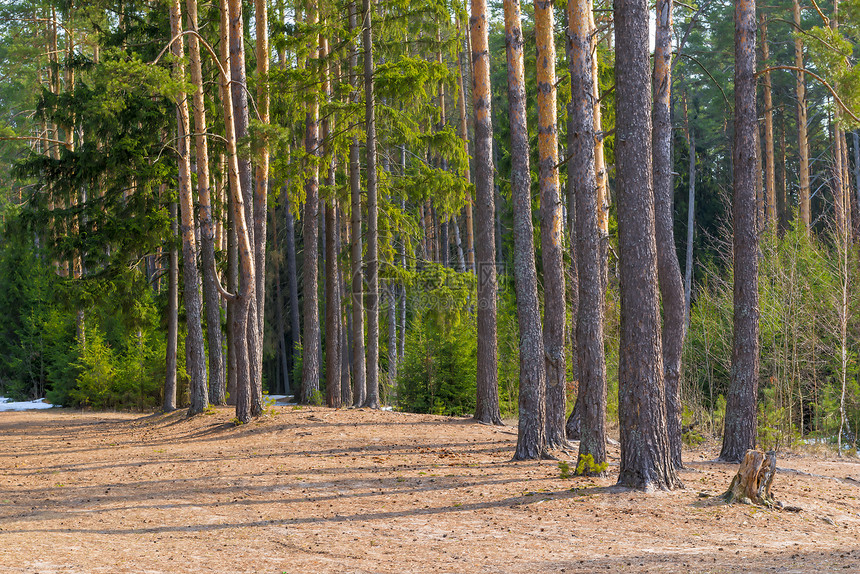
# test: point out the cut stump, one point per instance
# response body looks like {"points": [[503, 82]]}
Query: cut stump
{"points": [[751, 485]]}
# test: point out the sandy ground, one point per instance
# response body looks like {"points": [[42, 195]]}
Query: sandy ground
{"points": [[317, 490]]}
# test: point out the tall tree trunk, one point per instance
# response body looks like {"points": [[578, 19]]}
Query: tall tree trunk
{"points": [[668, 269], [359, 371], [769, 151], [550, 226], [240, 115], [691, 215], [345, 322], [261, 179], [245, 340], [172, 316], [740, 423], [531, 436], [211, 297], [600, 168], [464, 135], [372, 399], [590, 409], [332, 274], [645, 461], [802, 138], [292, 284], [279, 314], [194, 346], [310, 269], [487, 405]]}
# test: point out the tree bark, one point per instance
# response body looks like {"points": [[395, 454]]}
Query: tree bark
{"points": [[590, 409], [357, 282], [310, 269], [172, 316], [194, 346], [802, 138], [261, 179], [211, 297], [245, 341], [240, 116], [464, 135], [740, 422], [668, 269], [550, 227], [769, 151], [645, 461], [487, 404], [531, 436], [292, 283], [691, 215], [372, 399]]}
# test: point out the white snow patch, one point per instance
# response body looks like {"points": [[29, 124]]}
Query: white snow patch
{"points": [[8, 405]]}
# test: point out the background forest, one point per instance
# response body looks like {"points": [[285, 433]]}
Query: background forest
{"points": [[349, 272]]}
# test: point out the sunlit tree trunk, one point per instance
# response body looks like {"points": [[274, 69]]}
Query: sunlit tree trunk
{"points": [[240, 115], [245, 340], [740, 422], [211, 297], [590, 410], [645, 460], [194, 347], [668, 269], [551, 226], [487, 405], [531, 438]]}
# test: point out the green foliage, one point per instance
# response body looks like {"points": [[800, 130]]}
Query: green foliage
{"points": [[438, 371], [564, 470], [587, 467]]}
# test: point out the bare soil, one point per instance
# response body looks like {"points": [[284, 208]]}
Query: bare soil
{"points": [[316, 490]]}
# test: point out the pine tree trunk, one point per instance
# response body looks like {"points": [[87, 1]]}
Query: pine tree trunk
{"points": [[372, 399], [668, 269], [292, 284], [194, 346], [359, 372], [550, 227], [645, 460], [589, 413], [487, 404], [244, 341], [531, 437], [802, 139], [769, 151], [240, 115], [740, 423], [310, 231], [261, 179], [279, 313], [332, 310], [464, 135], [172, 317], [211, 297], [691, 215]]}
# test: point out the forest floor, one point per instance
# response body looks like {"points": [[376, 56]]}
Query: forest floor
{"points": [[316, 490]]}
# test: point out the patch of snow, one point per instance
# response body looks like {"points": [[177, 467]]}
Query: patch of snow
{"points": [[8, 405]]}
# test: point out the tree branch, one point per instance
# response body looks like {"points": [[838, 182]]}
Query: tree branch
{"points": [[820, 79]]}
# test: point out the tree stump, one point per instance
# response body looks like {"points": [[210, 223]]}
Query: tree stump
{"points": [[751, 485]]}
